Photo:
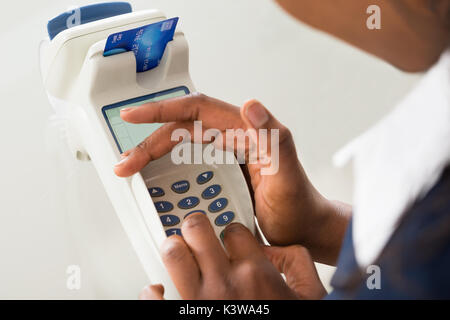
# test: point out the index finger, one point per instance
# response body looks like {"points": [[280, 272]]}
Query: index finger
{"points": [[196, 106]]}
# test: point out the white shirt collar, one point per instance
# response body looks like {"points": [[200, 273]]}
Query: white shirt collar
{"points": [[398, 161]]}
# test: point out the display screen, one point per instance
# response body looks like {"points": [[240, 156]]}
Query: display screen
{"points": [[129, 135]]}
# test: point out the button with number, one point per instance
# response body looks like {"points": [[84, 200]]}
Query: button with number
{"points": [[181, 186], [172, 232], [211, 191], [169, 220], [156, 192], [163, 206], [204, 177], [224, 219], [218, 205], [188, 203], [201, 211]]}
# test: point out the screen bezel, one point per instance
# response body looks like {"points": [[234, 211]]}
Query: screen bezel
{"points": [[135, 100]]}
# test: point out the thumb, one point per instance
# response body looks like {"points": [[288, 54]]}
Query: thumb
{"points": [[256, 116], [296, 264]]}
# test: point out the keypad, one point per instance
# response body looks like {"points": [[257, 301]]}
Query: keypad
{"points": [[188, 203], [156, 192], [205, 177], [224, 218], [169, 220], [218, 205], [181, 186], [184, 200], [211, 191], [163, 206]]}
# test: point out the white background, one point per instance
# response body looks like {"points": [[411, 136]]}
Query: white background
{"points": [[54, 212]]}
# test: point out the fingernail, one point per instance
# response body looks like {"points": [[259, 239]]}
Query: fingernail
{"points": [[257, 115], [126, 109], [194, 219], [121, 162], [234, 227]]}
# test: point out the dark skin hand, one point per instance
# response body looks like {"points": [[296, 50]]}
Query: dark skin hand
{"points": [[201, 269], [289, 209]]}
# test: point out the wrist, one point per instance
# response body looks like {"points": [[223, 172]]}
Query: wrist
{"points": [[325, 230]]}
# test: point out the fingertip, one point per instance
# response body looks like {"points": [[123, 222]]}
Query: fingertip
{"points": [[232, 231], [120, 171], [126, 112], [130, 164], [152, 292], [170, 244], [256, 113], [174, 251], [235, 227], [137, 115], [244, 108], [196, 219], [250, 102], [193, 215]]}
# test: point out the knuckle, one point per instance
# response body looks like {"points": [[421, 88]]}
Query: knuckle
{"points": [[160, 112], [142, 146], [248, 269], [193, 104]]}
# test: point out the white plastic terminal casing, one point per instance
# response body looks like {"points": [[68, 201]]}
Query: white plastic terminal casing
{"points": [[80, 81]]}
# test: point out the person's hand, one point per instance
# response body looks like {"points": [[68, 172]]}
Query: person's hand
{"points": [[201, 269], [288, 208]]}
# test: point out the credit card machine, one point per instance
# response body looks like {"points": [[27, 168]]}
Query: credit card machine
{"points": [[90, 89]]}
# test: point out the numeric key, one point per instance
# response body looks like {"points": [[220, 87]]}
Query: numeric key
{"points": [[211, 191], [188, 203], [163, 206], [218, 205]]}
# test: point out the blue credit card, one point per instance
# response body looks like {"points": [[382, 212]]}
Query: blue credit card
{"points": [[148, 43]]}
